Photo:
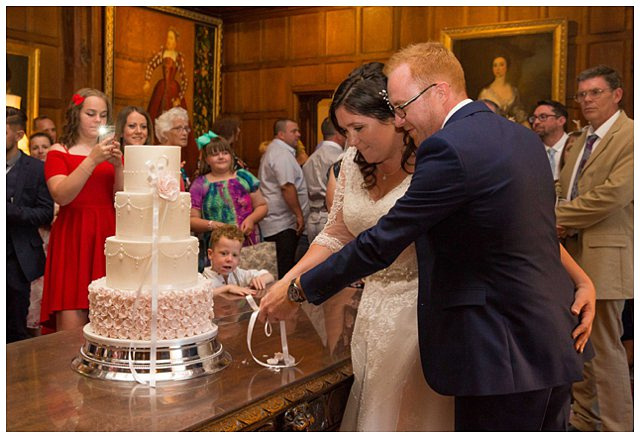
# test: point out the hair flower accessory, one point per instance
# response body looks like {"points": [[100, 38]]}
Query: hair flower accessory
{"points": [[385, 97], [77, 99], [205, 139]]}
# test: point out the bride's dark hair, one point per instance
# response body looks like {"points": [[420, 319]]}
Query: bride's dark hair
{"points": [[361, 94]]}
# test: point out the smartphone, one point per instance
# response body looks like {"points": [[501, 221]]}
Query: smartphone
{"points": [[105, 132]]}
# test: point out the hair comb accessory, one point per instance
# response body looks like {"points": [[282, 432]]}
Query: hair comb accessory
{"points": [[205, 139], [385, 97], [77, 99]]}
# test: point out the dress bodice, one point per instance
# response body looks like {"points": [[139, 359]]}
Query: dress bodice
{"points": [[354, 207]]}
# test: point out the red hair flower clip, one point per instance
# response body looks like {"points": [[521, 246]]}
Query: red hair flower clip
{"points": [[77, 99]]}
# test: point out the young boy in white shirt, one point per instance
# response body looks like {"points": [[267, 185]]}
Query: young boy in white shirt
{"points": [[224, 254]]}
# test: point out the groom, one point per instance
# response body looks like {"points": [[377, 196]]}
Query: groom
{"points": [[495, 312]]}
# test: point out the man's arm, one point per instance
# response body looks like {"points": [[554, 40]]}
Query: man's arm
{"points": [[437, 188], [290, 195], [38, 214], [602, 200]]}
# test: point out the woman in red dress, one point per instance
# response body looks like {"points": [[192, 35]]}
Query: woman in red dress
{"points": [[82, 176]]}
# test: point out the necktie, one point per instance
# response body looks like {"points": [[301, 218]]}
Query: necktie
{"points": [[588, 146], [552, 161]]}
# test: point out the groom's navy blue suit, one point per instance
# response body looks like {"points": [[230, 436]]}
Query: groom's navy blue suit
{"points": [[494, 299]]}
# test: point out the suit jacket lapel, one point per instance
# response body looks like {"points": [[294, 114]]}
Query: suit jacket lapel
{"points": [[21, 177]]}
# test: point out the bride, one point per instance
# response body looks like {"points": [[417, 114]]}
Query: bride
{"points": [[389, 392]]}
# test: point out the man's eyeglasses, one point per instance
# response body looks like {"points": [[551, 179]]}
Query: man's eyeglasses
{"points": [[541, 117], [398, 110], [181, 128], [594, 94]]}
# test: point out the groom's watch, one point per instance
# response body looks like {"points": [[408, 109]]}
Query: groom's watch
{"points": [[295, 293]]}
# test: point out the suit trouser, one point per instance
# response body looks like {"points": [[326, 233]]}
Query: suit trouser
{"points": [[286, 243], [602, 401], [541, 410], [18, 292]]}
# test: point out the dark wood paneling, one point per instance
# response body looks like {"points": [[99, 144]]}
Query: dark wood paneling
{"points": [[274, 39], [307, 36], [606, 19], [249, 42], [341, 32], [274, 89], [377, 29], [414, 26]]}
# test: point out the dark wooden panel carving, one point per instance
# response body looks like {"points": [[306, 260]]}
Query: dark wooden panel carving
{"points": [[307, 33], [274, 39], [605, 19], [377, 29], [341, 32]]}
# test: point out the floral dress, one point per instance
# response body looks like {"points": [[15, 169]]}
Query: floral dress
{"points": [[227, 201]]}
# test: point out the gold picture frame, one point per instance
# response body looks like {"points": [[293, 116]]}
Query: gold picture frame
{"points": [[25, 77], [535, 53]]}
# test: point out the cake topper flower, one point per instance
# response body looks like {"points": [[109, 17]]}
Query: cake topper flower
{"points": [[77, 99], [165, 184]]}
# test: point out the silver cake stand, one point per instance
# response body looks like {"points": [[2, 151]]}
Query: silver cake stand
{"points": [[128, 361]]}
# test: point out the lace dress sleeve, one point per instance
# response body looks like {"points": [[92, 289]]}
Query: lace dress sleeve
{"points": [[335, 233]]}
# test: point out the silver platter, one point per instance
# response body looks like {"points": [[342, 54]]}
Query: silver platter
{"points": [[177, 359]]}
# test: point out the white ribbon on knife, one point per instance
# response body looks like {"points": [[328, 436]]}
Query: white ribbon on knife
{"points": [[289, 361]]}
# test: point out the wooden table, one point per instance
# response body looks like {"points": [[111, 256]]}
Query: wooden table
{"points": [[45, 394]]}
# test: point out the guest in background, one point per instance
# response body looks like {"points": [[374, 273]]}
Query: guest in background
{"points": [[229, 129], [133, 126], [549, 121], [172, 129], [39, 144], [82, 174], [597, 224], [222, 195], [301, 153], [29, 206], [284, 189], [45, 124], [224, 254], [316, 174]]}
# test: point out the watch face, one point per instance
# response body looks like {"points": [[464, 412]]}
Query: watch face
{"points": [[294, 293]]}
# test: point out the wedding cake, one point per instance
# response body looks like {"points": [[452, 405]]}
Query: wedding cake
{"points": [[120, 303]]}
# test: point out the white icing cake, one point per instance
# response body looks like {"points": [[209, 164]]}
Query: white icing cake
{"points": [[120, 303]]}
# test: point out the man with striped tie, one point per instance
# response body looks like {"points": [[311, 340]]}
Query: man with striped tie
{"points": [[597, 223]]}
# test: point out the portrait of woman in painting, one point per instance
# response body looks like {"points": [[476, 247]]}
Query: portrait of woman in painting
{"points": [[502, 92], [169, 91]]}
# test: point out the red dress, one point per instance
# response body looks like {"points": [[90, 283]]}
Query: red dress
{"points": [[76, 244]]}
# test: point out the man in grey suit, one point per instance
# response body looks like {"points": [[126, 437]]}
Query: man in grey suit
{"points": [[595, 216]]}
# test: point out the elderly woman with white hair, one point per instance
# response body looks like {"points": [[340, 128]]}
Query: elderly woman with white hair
{"points": [[172, 129]]}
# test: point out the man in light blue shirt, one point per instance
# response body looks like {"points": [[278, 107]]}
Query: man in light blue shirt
{"points": [[283, 187]]}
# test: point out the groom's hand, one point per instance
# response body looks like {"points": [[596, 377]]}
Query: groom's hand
{"points": [[275, 305], [584, 305]]}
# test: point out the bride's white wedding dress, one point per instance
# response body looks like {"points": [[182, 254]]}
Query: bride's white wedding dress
{"points": [[389, 391]]}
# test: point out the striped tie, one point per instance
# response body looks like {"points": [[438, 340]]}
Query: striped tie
{"points": [[588, 146]]}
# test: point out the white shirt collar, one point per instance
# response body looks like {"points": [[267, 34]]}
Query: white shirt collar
{"points": [[456, 108], [330, 143], [559, 144], [604, 128]]}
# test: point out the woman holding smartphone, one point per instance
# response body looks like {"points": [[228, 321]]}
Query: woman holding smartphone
{"points": [[83, 172]]}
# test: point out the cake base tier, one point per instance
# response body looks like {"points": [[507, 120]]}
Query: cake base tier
{"points": [[129, 361]]}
